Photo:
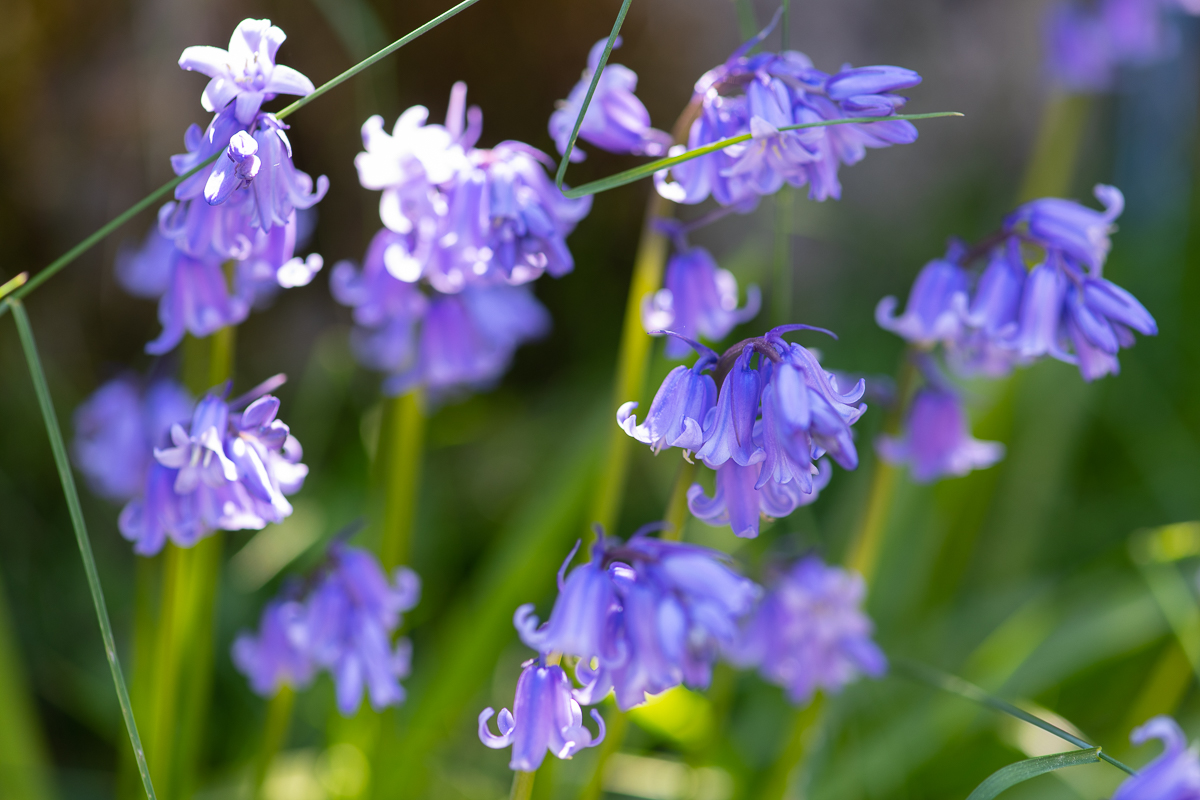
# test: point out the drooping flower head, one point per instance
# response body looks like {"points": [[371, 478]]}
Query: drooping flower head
{"points": [[1013, 315], [117, 429], [762, 93], [616, 120], [652, 614], [545, 717], [343, 623], [1174, 775], [809, 632], [227, 471], [776, 414], [936, 441], [698, 299]]}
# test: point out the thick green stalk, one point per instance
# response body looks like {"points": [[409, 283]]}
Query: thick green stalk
{"points": [[677, 507], [24, 765], [401, 449], [617, 723], [279, 719], [81, 535], [806, 726], [522, 785]]}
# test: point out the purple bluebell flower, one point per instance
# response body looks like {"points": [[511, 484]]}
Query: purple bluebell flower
{"points": [[763, 93], [246, 74], [278, 188], [279, 654], [680, 407], [352, 615], [235, 171], [936, 442], [1174, 775], [1079, 233], [698, 299], [680, 605], [117, 429], [228, 471], [981, 346], [809, 632], [545, 717], [616, 120], [936, 304], [739, 503]]}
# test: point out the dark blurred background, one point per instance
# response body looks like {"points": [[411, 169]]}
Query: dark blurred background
{"points": [[1027, 561]]}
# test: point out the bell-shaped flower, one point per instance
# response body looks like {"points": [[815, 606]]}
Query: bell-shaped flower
{"points": [[235, 171], [267, 456], [246, 74], [698, 298], [936, 442], [279, 188], [982, 346], [352, 615], [679, 408], [1173, 775], [616, 120], [729, 426], [1080, 233], [809, 632], [936, 304], [278, 655], [1100, 319], [1039, 322], [739, 502], [199, 455], [581, 622], [117, 428], [545, 717]]}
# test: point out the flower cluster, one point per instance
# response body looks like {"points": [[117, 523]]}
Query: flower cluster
{"points": [[343, 624], [1012, 315], [1087, 43], [809, 632], [759, 95], [228, 470], [471, 224], [616, 120], [777, 414], [241, 208]]}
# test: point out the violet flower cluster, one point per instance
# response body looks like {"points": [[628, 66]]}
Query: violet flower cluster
{"points": [[440, 300], [227, 469], [1012, 314], [241, 209], [343, 624], [1086, 43], [809, 632], [1173, 775], [641, 617], [766, 431], [759, 95], [616, 119]]}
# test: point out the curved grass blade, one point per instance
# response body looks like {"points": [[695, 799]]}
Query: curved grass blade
{"points": [[81, 535], [970, 691], [147, 201], [1022, 771], [646, 170]]}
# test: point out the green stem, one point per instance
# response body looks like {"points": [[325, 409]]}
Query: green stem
{"points": [[279, 719], [24, 767], [81, 535], [401, 447], [747, 24], [781, 289], [522, 785], [784, 19], [677, 507], [13, 284], [1056, 151], [806, 725], [617, 724]]}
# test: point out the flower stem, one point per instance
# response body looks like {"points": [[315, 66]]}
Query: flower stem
{"points": [[677, 507], [279, 719], [81, 535], [401, 448], [24, 768], [617, 724], [522, 785], [806, 726]]}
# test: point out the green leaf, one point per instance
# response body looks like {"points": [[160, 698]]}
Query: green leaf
{"points": [[1022, 771]]}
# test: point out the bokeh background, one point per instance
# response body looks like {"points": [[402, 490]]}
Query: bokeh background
{"points": [[1020, 577]]}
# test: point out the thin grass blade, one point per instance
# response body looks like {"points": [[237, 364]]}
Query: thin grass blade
{"points": [[1022, 771], [81, 535]]}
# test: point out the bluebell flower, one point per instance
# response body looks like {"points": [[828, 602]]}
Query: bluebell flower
{"points": [[698, 299], [616, 120], [740, 503], [279, 654], [117, 429], [980, 346], [809, 632], [1080, 234], [545, 717], [762, 93], [352, 615], [246, 74], [936, 303], [1174, 775], [235, 171], [228, 471], [679, 408], [936, 441]]}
